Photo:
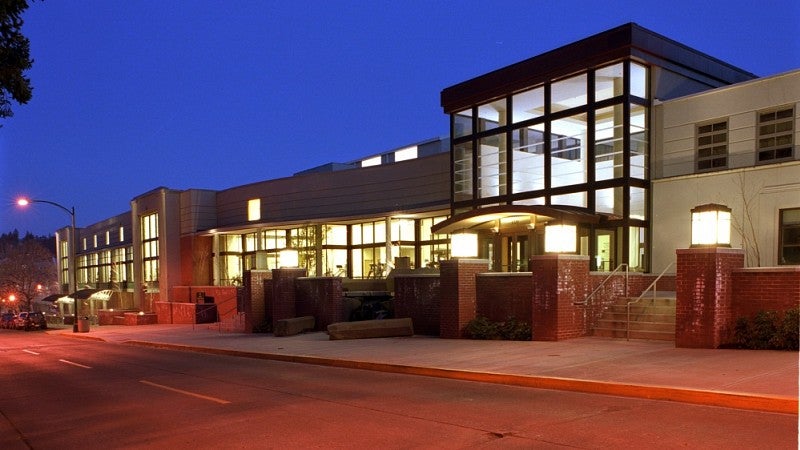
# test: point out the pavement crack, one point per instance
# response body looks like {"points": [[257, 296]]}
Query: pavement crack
{"points": [[21, 435]]}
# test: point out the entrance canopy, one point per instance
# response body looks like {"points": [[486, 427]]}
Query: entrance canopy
{"points": [[494, 216], [93, 296]]}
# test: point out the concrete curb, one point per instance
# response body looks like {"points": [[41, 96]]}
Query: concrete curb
{"points": [[735, 400]]}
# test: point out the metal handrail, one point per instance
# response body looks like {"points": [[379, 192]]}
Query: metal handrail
{"points": [[628, 306], [586, 301]]}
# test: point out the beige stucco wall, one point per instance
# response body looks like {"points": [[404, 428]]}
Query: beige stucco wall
{"points": [[768, 189], [676, 121]]}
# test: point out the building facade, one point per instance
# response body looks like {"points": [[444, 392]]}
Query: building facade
{"points": [[617, 136]]}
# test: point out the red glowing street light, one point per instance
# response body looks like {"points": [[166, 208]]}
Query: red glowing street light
{"points": [[71, 258]]}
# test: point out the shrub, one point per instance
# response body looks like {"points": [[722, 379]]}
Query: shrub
{"points": [[768, 330], [788, 330], [482, 328], [263, 327], [510, 330]]}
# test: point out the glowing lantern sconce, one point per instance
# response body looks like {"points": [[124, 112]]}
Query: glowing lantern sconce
{"points": [[560, 238], [711, 226], [464, 245]]}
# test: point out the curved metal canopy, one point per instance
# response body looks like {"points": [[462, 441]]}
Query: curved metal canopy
{"points": [[485, 218]]}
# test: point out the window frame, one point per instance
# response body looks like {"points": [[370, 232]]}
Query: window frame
{"points": [[760, 136], [712, 145], [782, 226]]}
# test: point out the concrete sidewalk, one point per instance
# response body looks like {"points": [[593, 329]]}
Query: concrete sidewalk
{"points": [[746, 379]]}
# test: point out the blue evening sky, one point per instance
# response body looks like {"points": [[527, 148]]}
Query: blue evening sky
{"points": [[132, 95]]}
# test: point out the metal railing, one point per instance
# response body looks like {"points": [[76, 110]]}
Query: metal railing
{"points": [[585, 302], [639, 298]]}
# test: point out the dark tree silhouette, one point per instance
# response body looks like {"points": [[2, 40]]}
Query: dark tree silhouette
{"points": [[15, 57], [25, 265]]}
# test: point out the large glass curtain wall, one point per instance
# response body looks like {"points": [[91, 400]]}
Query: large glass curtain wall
{"points": [[579, 141], [107, 269], [368, 249]]}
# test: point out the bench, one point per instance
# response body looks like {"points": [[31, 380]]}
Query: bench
{"points": [[295, 325], [366, 329]]}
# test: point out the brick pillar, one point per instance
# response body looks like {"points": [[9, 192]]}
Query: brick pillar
{"points": [[703, 314], [284, 293], [457, 302], [558, 282], [255, 306]]}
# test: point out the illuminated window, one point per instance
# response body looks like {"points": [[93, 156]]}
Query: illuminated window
{"points": [[528, 105], [405, 154], [254, 209], [150, 251], [374, 161], [108, 237], [492, 115], [121, 234]]}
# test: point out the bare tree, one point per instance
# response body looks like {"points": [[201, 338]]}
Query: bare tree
{"points": [[25, 267], [745, 224]]}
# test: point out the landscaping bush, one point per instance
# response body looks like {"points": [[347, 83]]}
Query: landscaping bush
{"points": [[510, 330], [263, 327], [768, 330]]}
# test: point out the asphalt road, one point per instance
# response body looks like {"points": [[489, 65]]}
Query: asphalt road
{"points": [[61, 393]]}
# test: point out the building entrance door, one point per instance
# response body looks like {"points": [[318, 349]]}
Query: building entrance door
{"points": [[516, 252]]}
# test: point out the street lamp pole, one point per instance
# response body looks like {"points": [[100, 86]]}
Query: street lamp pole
{"points": [[73, 270]]}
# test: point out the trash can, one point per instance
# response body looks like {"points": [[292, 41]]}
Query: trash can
{"points": [[83, 325]]}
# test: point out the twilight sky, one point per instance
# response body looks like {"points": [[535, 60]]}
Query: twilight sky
{"points": [[132, 95]]}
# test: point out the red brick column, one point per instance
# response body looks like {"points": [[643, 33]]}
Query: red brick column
{"points": [[704, 314], [322, 298], [558, 282], [457, 301], [255, 306], [284, 296]]}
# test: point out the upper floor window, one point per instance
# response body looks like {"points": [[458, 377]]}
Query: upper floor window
{"points": [[254, 209], [462, 123], [405, 154], [492, 115], [775, 130], [712, 146], [608, 82], [150, 250], [528, 105], [568, 93], [789, 251]]}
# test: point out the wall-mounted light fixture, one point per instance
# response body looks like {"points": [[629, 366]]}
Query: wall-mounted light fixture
{"points": [[288, 258], [711, 226], [560, 238], [464, 245]]}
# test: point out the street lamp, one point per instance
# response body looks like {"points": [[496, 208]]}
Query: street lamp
{"points": [[70, 257]]}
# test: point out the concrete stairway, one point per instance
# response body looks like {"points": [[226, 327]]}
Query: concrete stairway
{"points": [[651, 318]]}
